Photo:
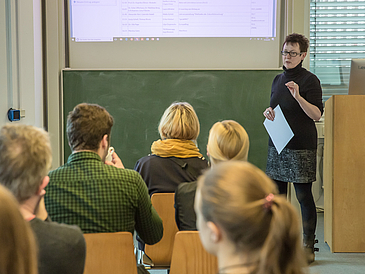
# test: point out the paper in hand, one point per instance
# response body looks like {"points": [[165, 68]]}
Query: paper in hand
{"points": [[279, 130]]}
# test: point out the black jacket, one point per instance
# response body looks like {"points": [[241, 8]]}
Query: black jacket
{"points": [[164, 174]]}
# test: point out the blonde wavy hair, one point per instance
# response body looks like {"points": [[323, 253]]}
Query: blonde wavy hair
{"points": [[25, 159], [179, 121], [233, 196], [228, 140], [18, 254]]}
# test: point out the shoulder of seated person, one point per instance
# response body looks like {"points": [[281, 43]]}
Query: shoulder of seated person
{"points": [[71, 228], [187, 185]]}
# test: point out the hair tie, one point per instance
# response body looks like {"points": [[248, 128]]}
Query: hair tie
{"points": [[268, 201]]}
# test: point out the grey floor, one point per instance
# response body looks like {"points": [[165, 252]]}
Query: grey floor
{"points": [[334, 263], [327, 262]]}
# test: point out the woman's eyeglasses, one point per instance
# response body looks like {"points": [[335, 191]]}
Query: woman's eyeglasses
{"points": [[291, 53]]}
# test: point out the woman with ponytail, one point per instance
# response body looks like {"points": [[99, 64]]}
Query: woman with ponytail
{"points": [[227, 140], [245, 223]]}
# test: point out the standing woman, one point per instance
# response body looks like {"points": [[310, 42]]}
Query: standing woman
{"points": [[175, 158], [299, 94]]}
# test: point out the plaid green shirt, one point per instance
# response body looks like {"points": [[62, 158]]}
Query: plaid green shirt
{"points": [[101, 198]]}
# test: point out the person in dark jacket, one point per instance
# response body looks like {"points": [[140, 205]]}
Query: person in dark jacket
{"points": [[228, 140], [25, 159], [175, 158]]}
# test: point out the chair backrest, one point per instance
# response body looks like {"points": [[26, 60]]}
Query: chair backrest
{"points": [[161, 252], [110, 253], [189, 255]]}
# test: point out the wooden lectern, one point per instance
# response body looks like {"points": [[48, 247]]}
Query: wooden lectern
{"points": [[344, 173]]}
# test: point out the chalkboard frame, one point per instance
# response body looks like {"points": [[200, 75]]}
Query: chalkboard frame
{"points": [[137, 99]]}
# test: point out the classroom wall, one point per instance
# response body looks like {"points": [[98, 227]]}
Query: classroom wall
{"points": [[3, 65], [21, 60], [298, 20], [21, 75], [55, 63]]}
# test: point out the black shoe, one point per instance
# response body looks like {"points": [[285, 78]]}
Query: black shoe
{"points": [[309, 253], [309, 248]]}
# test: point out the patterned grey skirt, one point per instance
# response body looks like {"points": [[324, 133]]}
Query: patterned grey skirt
{"points": [[294, 166]]}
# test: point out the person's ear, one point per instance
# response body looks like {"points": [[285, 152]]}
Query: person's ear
{"points": [[207, 151], [304, 54], [69, 144], [104, 142], [215, 232], [44, 183]]}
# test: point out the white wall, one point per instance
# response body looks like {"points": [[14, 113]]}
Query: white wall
{"points": [[21, 74], [298, 20], [21, 60], [55, 63], [3, 65]]}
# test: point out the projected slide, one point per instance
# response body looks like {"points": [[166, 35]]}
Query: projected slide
{"points": [[105, 20]]}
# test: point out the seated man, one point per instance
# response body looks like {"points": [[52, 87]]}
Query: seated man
{"points": [[99, 197], [25, 159]]}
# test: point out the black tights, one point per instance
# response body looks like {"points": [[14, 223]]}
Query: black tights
{"points": [[307, 205]]}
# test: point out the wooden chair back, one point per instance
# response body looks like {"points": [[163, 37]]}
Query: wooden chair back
{"points": [[110, 253], [161, 252], [189, 255]]}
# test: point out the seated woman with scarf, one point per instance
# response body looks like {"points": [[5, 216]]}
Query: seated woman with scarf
{"points": [[174, 158]]}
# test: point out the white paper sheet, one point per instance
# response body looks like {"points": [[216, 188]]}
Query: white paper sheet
{"points": [[279, 130]]}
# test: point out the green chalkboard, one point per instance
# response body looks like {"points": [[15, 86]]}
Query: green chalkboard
{"points": [[137, 100]]}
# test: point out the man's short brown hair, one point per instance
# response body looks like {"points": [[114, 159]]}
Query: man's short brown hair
{"points": [[86, 126], [25, 159], [294, 38]]}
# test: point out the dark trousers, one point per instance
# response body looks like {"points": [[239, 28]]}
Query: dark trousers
{"points": [[307, 206]]}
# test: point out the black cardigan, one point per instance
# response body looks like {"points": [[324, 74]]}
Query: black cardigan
{"points": [[303, 127]]}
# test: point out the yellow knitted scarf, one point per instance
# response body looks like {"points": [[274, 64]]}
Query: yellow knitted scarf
{"points": [[175, 148]]}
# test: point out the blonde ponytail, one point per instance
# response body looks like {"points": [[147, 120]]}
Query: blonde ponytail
{"points": [[243, 202], [282, 251], [228, 140]]}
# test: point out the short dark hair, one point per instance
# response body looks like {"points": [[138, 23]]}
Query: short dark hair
{"points": [[297, 38], [86, 126]]}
